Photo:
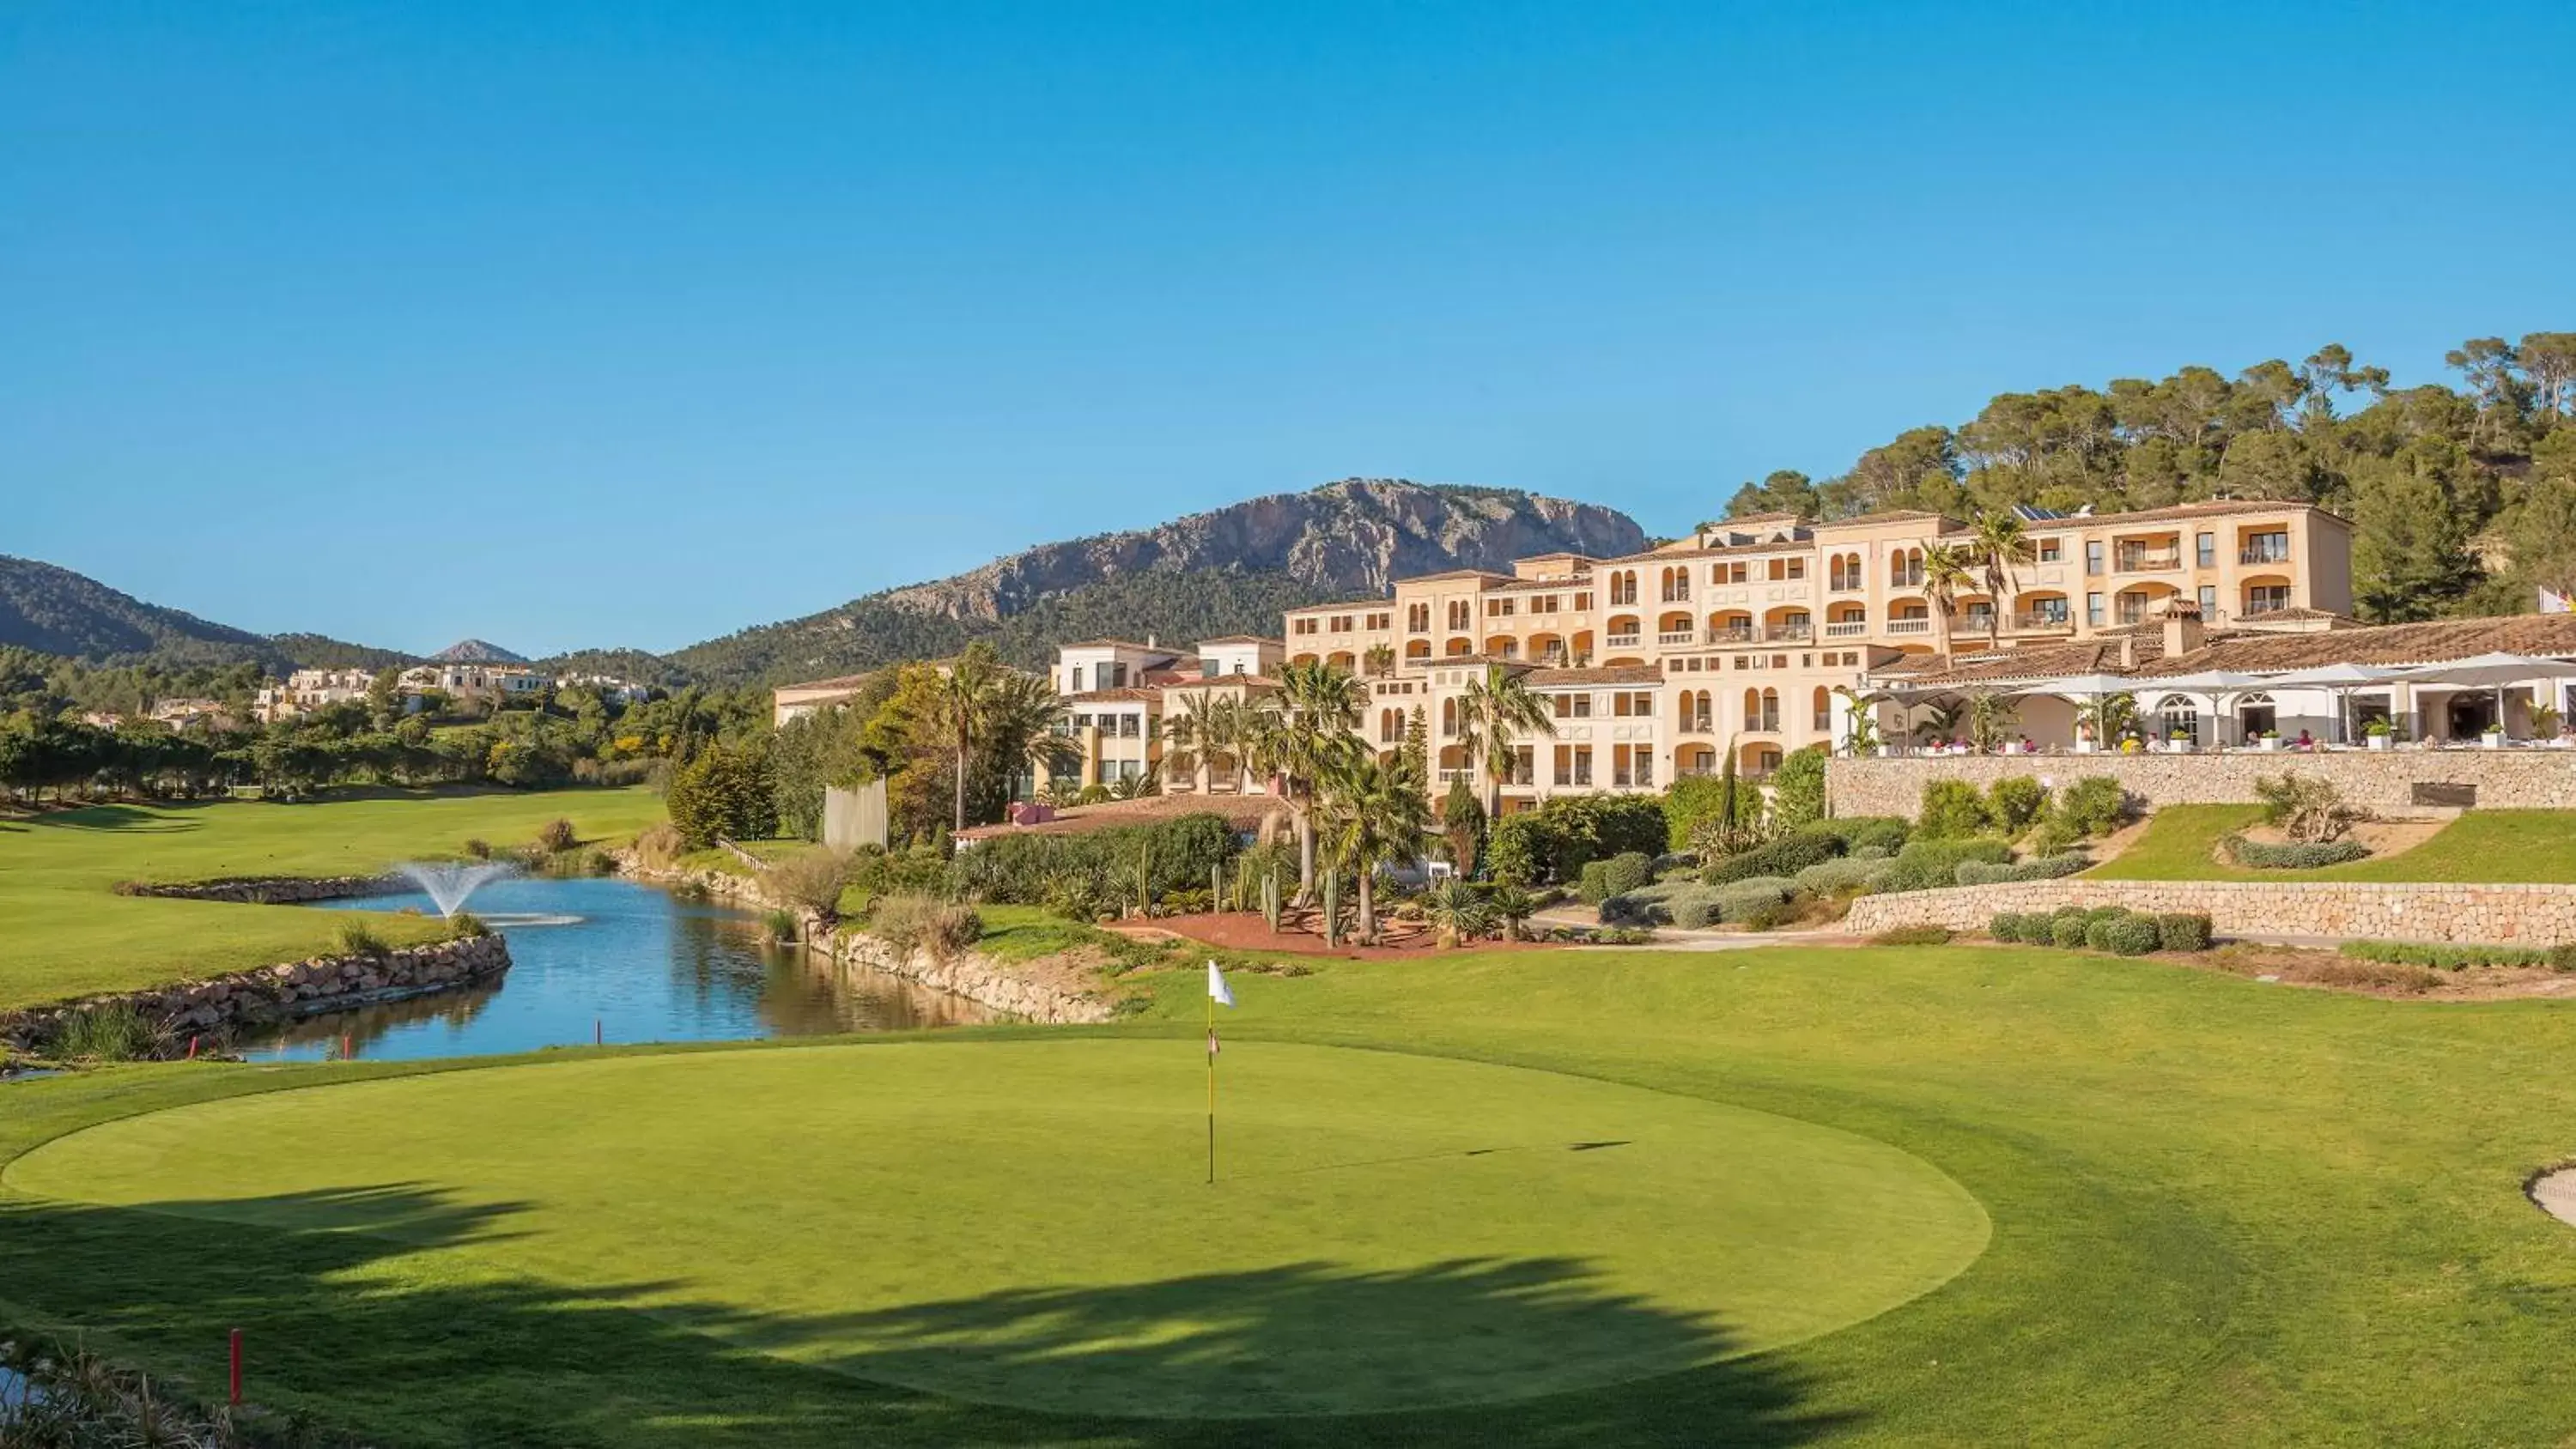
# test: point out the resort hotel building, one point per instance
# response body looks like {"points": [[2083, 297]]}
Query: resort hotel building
{"points": [[2220, 624]]}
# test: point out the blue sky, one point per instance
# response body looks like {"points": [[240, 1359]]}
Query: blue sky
{"points": [[639, 323]]}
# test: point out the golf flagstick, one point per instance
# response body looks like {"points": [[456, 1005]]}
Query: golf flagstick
{"points": [[1216, 992]]}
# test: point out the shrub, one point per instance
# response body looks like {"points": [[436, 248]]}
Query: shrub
{"points": [[1695, 805], [1788, 855], [2006, 925], [466, 926], [2183, 931], [2306, 855], [2307, 810], [1178, 854], [115, 1032], [911, 923], [556, 836], [1929, 864], [1913, 936], [724, 791], [1695, 910], [1874, 832], [2131, 935], [1834, 877], [2446, 957], [2066, 931], [1951, 809], [1871, 852], [357, 938], [1556, 840], [2045, 867], [2015, 801], [1765, 918], [2094, 805], [478, 848], [1738, 901], [1516, 850], [781, 925], [810, 880], [655, 849], [1798, 788], [1626, 871]]}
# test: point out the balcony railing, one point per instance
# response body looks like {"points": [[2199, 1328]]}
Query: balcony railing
{"points": [[2142, 561], [1850, 629], [2274, 553], [1699, 724], [1789, 633], [2254, 607], [2043, 623], [1452, 777], [1639, 777], [1683, 636], [1677, 595], [1909, 626], [1622, 641]]}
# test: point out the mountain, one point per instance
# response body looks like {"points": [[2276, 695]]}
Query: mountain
{"points": [[55, 611], [1228, 570], [476, 651]]}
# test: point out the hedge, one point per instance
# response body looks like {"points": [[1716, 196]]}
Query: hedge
{"points": [[1929, 864], [2456, 958], [1560, 837], [2124, 935], [1843, 873], [2184, 931], [1178, 854], [2046, 867], [1857, 832], [1788, 855], [1620, 874], [2305, 856]]}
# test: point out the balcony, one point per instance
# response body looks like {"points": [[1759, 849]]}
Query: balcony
{"points": [[1640, 777], [1622, 641], [2257, 606], [1582, 778], [1684, 636], [2267, 553], [1452, 777], [2147, 561], [1733, 634], [2045, 623], [1677, 596], [1909, 626], [1699, 724], [1852, 629], [1789, 633]]}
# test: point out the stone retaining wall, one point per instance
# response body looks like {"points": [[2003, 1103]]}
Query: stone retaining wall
{"points": [[2525, 915], [280, 890], [283, 992], [972, 975], [2534, 779]]}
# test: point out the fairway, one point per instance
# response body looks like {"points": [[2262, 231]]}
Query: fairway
{"points": [[64, 933], [1027, 1223]]}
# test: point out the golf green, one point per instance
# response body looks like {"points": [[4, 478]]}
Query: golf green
{"points": [[1027, 1223]]}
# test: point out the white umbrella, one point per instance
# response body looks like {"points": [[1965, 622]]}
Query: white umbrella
{"points": [[2489, 671], [2343, 679]]}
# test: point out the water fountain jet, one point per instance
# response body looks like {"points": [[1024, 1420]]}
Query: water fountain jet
{"points": [[450, 883]]}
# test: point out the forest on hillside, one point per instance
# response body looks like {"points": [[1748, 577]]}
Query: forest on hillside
{"points": [[2463, 498]]}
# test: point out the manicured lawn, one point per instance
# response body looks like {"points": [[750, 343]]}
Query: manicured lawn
{"points": [[63, 933], [2221, 1212], [2481, 845]]}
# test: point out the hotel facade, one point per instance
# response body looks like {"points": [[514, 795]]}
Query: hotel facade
{"points": [[1756, 633]]}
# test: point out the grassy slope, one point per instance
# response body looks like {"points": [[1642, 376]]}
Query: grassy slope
{"points": [[2481, 845], [62, 932], [2224, 1212]]}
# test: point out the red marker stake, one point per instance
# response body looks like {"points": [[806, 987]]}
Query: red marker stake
{"points": [[192, 1048], [236, 1366]]}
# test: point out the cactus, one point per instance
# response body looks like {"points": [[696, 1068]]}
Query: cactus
{"points": [[1270, 901], [1216, 887], [1332, 908], [1144, 878]]}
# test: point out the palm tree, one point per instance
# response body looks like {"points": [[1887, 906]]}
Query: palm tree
{"points": [[1379, 660], [2002, 544], [1458, 909], [1860, 719], [1188, 744], [986, 710], [1375, 814], [1945, 573], [1493, 714], [1296, 742], [963, 696]]}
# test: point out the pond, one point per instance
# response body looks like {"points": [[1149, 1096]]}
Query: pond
{"points": [[627, 962]]}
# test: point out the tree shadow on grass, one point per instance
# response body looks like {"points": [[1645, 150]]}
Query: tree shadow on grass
{"points": [[124, 819], [348, 1321]]}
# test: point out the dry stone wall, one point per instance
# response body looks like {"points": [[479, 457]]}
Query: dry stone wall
{"points": [[2397, 779], [281, 890], [970, 974], [2525, 915], [283, 992]]}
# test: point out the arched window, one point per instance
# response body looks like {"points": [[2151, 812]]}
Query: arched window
{"points": [[1753, 709], [1824, 703], [1417, 649], [2180, 715], [1448, 716], [1834, 574], [1770, 710]]}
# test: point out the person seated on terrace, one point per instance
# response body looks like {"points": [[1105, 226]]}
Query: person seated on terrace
{"points": [[2029, 746], [2305, 741]]}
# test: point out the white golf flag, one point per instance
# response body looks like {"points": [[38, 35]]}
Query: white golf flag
{"points": [[1216, 985]]}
